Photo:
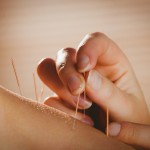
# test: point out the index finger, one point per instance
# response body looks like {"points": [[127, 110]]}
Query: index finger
{"points": [[97, 48]]}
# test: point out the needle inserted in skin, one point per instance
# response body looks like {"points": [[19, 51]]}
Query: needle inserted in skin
{"points": [[42, 91], [84, 96], [107, 121], [75, 116], [35, 87], [17, 79]]}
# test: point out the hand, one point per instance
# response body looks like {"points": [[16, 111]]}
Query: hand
{"points": [[111, 81], [66, 101], [131, 133]]}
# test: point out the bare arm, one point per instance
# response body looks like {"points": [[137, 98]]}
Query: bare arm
{"points": [[28, 125]]}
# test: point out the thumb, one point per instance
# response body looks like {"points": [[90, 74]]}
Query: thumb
{"points": [[105, 94], [131, 133]]}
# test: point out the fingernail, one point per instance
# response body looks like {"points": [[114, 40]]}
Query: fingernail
{"points": [[94, 80], [82, 102], [87, 121], [114, 129], [83, 63], [75, 85]]}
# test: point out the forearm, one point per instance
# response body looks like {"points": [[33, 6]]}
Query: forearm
{"points": [[28, 125]]}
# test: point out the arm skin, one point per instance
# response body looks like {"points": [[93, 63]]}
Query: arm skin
{"points": [[26, 125]]}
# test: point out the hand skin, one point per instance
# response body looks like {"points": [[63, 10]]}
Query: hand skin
{"points": [[117, 87], [131, 133], [27, 125], [111, 82]]}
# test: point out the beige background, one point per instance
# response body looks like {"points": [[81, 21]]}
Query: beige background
{"points": [[32, 29]]}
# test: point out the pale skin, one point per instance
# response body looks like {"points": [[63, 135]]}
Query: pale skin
{"points": [[110, 82], [27, 125]]}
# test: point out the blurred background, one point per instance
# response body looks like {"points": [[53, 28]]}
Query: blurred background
{"points": [[33, 29]]}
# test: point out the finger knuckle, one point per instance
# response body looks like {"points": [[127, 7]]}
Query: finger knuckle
{"points": [[97, 34], [63, 56], [69, 51], [64, 70], [61, 67], [88, 38]]}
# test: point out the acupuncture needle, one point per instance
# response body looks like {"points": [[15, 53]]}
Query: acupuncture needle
{"points": [[84, 95], [35, 87], [41, 92], [75, 116], [107, 121], [16, 76]]}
